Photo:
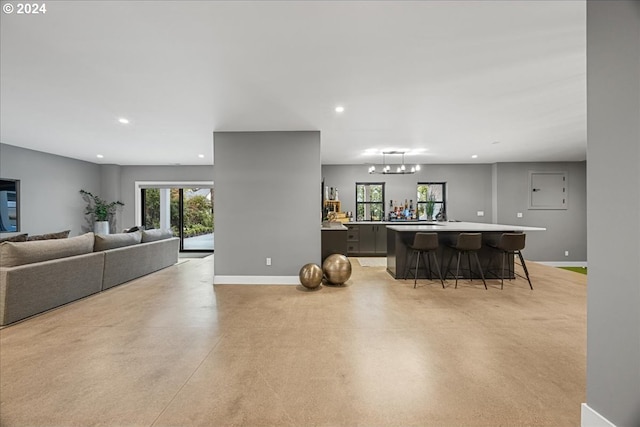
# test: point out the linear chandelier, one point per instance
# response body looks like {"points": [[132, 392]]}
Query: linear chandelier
{"points": [[387, 169]]}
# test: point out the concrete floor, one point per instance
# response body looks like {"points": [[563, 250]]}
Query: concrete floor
{"points": [[205, 242], [170, 349]]}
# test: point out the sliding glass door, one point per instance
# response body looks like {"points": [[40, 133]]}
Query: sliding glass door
{"points": [[196, 209], [188, 212]]}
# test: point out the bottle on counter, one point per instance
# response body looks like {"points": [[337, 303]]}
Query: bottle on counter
{"points": [[336, 194]]}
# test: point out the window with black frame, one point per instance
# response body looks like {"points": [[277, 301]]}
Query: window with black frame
{"points": [[369, 201], [432, 201]]}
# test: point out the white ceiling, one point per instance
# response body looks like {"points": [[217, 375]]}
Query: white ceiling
{"points": [[449, 78]]}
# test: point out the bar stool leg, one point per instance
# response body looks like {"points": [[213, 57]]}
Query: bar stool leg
{"points": [[457, 269], [524, 266], [448, 269], [415, 277], [480, 267], [435, 261], [510, 266], [504, 255]]}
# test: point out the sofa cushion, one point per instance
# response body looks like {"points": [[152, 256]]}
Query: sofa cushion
{"points": [[156, 234], [16, 238], [49, 236], [104, 242], [20, 253]]}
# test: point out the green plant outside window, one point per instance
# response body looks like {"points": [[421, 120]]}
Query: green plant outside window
{"points": [[369, 201], [431, 197]]}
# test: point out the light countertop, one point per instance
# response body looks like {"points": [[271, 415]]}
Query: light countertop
{"points": [[333, 227], [462, 226], [413, 221]]}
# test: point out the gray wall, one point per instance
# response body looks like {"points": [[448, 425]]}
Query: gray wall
{"points": [[267, 202], [468, 187], [566, 228], [110, 190], [50, 184], [49, 188], [499, 190], [613, 178]]}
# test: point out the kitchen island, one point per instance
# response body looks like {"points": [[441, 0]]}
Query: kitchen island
{"points": [[400, 236]]}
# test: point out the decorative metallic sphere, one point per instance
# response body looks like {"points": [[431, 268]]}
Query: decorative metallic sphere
{"points": [[310, 276], [337, 269]]}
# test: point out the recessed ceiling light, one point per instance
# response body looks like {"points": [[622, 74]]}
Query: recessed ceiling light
{"points": [[339, 109], [100, 156], [123, 120], [201, 156], [475, 156]]}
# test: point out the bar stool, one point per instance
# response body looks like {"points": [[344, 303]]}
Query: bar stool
{"points": [[423, 244], [511, 244], [468, 243]]}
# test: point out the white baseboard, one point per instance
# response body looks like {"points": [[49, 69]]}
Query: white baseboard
{"points": [[590, 418], [256, 280], [563, 264]]}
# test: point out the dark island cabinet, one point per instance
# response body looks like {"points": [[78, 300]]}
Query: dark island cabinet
{"points": [[367, 239], [353, 239]]}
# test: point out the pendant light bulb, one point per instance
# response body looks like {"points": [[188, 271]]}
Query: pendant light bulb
{"points": [[417, 167]]}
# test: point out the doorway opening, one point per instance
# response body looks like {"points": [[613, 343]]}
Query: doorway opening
{"points": [[187, 211]]}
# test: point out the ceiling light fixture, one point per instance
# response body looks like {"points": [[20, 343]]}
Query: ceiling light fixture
{"points": [[100, 156], [123, 120], [201, 156], [475, 156], [339, 109], [399, 170]]}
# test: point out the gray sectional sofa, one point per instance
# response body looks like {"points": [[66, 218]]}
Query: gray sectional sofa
{"points": [[36, 276]]}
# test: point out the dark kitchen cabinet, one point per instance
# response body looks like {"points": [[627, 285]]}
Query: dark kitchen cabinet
{"points": [[367, 239]]}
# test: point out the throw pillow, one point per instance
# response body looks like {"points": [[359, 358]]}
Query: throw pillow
{"points": [[49, 236], [133, 229], [156, 234], [20, 253], [16, 238], [111, 241]]}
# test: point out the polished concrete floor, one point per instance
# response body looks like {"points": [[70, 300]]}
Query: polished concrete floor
{"points": [[171, 349]]}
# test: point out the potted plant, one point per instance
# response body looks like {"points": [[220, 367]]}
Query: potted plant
{"points": [[430, 206], [100, 211]]}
